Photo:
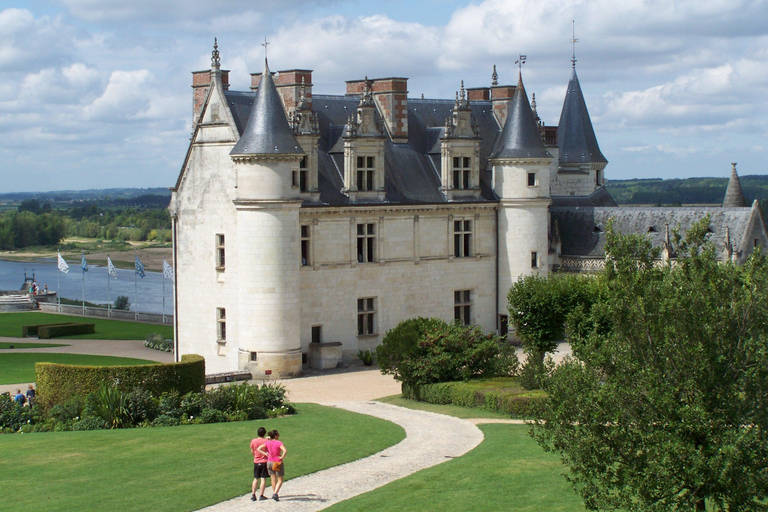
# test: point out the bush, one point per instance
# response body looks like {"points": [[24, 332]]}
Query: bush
{"points": [[170, 404], [272, 395], [13, 415], [109, 404], [366, 357], [45, 332], [191, 404], [121, 302], [165, 421], [68, 411], [89, 423], [141, 406], [58, 382], [210, 415], [158, 342], [427, 350]]}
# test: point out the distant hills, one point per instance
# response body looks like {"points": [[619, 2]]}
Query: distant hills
{"points": [[86, 195], [685, 191]]}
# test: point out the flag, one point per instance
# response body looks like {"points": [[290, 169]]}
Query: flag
{"points": [[167, 270], [111, 270], [63, 267], [139, 267], [84, 265]]}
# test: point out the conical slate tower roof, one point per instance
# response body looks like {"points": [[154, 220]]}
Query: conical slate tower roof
{"points": [[734, 197], [575, 135], [520, 137], [267, 131]]}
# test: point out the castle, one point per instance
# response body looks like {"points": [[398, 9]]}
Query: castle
{"points": [[306, 226]]}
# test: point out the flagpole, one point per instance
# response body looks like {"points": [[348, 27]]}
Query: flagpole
{"points": [[163, 294], [109, 295], [135, 292], [58, 285], [83, 272]]}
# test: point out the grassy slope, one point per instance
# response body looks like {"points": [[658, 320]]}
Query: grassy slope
{"points": [[16, 367], [11, 324], [173, 468], [506, 472]]}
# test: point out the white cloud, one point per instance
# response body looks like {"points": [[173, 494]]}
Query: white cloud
{"points": [[125, 97]]}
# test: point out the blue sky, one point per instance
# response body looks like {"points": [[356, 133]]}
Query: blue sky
{"points": [[96, 93]]}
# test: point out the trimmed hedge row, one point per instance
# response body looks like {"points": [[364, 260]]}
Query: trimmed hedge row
{"points": [[31, 330], [57, 383], [459, 393], [45, 332]]}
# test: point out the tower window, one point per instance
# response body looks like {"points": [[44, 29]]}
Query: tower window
{"points": [[462, 306], [317, 331], [462, 238], [220, 253], [300, 177], [534, 259], [531, 179], [461, 172], [366, 243], [366, 316], [366, 166], [221, 324], [305, 260]]}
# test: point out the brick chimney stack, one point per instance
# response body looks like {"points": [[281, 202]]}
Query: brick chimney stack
{"points": [[288, 84], [201, 82], [501, 98], [391, 96]]}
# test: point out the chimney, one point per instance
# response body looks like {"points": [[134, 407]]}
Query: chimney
{"points": [[479, 94], [201, 82], [289, 85], [391, 96], [501, 97]]}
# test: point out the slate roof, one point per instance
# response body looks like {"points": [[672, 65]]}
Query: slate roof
{"points": [[520, 137], [600, 197], [575, 135], [267, 131], [582, 229]]}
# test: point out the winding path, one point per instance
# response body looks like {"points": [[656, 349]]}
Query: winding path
{"points": [[430, 439]]}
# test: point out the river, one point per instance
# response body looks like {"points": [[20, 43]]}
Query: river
{"points": [[146, 296]]}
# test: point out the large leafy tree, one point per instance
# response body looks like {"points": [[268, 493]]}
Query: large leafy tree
{"points": [[665, 405]]}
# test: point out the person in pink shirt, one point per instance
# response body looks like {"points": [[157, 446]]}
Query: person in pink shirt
{"points": [[260, 471], [275, 451]]}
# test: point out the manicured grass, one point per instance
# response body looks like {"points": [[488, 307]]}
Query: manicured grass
{"points": [[449, 410], [507, 471], [106, 329], [174, 468], [21, 344], [17, 367]]}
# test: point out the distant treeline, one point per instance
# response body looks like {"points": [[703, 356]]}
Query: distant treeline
{"points": [[93, 194], [685, 191], [35, 223]]}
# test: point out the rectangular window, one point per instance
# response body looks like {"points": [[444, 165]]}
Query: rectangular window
{"points": [[220, 254], [317, 333], [461, 172], [503, 325], [221, 324], [365, 169], [366, 316], [462, 238], [534, 260], [366, 243], [305, 246], [462, 306], [303, 175], [531, 179]]}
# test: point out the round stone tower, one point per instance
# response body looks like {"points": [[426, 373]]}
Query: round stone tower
{"points": [[268, 234]]}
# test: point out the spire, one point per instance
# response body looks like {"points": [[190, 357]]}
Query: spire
{"points": [[267, 131], [575, 135], [520, 137], [215, 60], [494, 77], [734, 197], [573, 42]]}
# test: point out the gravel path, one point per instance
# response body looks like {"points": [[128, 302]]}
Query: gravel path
{"points": [[430, 439]]}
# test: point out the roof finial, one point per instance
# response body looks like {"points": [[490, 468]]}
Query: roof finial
{"points": [[573, 42], [520, 61], [265, 44], [733, 166], [494, 77], [215, 60], [462, 90]]}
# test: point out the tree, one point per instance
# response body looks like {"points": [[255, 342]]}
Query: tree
{"points": [[665, 405]]}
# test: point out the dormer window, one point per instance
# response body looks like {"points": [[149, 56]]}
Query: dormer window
{"points": [[301, 176], [462, 169], [366, 166]]}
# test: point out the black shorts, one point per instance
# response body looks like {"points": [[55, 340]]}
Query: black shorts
{"points": [[260, 470]]}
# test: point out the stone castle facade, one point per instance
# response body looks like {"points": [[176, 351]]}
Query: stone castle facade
{"points": [[306, 226]]}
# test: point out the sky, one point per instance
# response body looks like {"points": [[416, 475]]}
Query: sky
{"points": [[96, 93]]}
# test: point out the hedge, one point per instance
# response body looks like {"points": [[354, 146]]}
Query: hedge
{"points": [[45, 332], [458, 393], [31, 330], [57, 383]]}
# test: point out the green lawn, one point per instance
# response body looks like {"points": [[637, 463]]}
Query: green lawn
{"points": [[506, 472], [22, 344], [173, 468], [17, 367], [106, 329]]}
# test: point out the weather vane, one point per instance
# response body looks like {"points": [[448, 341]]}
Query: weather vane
{"points": [[265, 44], [520, 62], [573, 42]]}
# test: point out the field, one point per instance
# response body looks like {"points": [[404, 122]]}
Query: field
{"points": [[106, 329], [174, 469]]}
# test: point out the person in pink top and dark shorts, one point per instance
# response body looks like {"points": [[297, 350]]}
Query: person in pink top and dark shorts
{"points": [[260, 471], [275, 451]]}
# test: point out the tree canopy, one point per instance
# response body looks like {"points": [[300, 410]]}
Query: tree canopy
{"points": [[664, 406]]}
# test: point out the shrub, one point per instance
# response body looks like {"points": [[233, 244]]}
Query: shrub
{"points": [[58, 382], [141, 406], [365, 356], [158, 342], [210, 415], [109, 404], [165, 421], [170, 404], [89, 423], [45, 332], [192, 403], [427, 350], [13, 415], [68, 411], [121, 302], [272, 395]]}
